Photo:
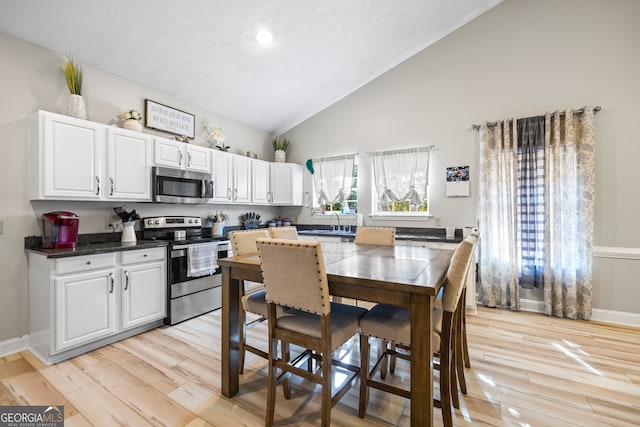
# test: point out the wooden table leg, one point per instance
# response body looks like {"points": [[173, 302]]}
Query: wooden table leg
{"points": [[421, 361], [230, 333]]}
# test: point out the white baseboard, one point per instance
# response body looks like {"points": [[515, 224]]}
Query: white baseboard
{"points": [[597, 314], [14, 345]]}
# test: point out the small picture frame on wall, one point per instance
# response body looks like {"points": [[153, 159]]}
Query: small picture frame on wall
{"points": [[167, 119], [457, 181]]}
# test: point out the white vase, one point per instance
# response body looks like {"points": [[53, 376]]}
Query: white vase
{"points": [[281, 156], [77, 107], [128, 232], [132, 124], [217, 229]]}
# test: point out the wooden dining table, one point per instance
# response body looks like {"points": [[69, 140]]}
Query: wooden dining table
{"points": [[407, 276]]}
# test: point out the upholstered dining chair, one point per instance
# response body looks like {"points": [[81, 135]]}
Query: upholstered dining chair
{"points": [[295, 278], [393, 324], [290, 233], [243, 242], [375, 235]]}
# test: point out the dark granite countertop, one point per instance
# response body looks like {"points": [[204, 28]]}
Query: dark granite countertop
{"points": [[402, 233], [90, 246]]}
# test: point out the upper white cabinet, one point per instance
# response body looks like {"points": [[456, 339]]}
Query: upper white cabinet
{"points": [[66, 157], [74, 159], [222, 173], [128, 165], [241, 180], [178, 155], [278, 184], [286, 180]]}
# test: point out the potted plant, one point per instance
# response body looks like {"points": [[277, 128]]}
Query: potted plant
{"points": [[280, 146], [132, 120], [73, 74]]}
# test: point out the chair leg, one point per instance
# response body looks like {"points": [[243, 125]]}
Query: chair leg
{"points": [[392, 361], [458, 357], [272, 378], [465, 347], [364, 375], [445, 388], [286, 356], [382, 347], [326, 389]]}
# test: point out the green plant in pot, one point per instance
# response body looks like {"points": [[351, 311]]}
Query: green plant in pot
{"points": [[73, 74], [280, 146]]}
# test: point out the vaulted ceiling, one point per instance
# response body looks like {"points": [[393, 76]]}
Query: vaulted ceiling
{"points": [[205, 52]]}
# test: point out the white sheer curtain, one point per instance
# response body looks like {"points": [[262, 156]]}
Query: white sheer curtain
{"points": [[401, 175], [333, 179]]}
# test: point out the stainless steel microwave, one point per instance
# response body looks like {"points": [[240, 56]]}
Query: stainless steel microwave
{"points": [[181, 186]]}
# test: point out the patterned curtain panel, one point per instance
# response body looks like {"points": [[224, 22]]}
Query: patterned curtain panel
{"points": [[570, 176], [401, 175], [536, 211], [498, 266], [333, 179]]}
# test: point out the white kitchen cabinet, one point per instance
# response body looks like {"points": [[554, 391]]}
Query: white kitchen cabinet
{"points": [[74, 159], [222, 173], [79, 303], [144, 294], [128, 165], [286, 181], [260, 188], [241, 180], [278, 184], [178, 155], [66, 157]]}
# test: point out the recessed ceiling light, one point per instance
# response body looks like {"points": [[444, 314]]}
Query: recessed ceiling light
{"points": [[264, 37]]}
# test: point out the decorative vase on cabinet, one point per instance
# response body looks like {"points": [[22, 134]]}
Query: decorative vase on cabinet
{"points": [[77, 107], [132, 124], [280, 156], [128, 232]]}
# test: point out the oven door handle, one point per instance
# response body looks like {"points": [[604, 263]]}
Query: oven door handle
{"points": [[178, 251]]}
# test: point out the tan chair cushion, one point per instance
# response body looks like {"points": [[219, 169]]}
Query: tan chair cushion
{"points": [[376, 236], [290, 233], [243, 242], [344, 322], [392, 323], [294, 274], [456, 275]]}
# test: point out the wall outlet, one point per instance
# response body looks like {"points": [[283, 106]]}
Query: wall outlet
{"points": [[108, 222]]}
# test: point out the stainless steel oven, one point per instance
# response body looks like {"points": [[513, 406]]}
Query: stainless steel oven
{"points": [[181, 186], [190, 293]]}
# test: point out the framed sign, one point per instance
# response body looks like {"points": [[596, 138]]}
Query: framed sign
{"points": [[167, 119]]}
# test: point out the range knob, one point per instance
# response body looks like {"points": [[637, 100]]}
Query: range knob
{"points": [[149, 221], [156, 222], [190, 221]]}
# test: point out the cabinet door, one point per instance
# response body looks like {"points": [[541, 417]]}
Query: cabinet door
{"points": [[143, 294], [286, 184], [84, 308], [72, 155], [222, 173], [241, 179], [128, 165], [260, 194], [168, 153], [198, 158]]}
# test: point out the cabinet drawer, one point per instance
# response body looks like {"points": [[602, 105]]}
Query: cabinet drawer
{"points": [[85, 263], [142, 255]]}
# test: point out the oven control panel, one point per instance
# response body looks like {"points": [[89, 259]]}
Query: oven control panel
{"points": [[171, 222]]}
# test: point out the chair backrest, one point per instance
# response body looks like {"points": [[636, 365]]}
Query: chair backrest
{"points": [[456, 275], [294, 275], [376, 236], [243, 242], [289, 233]]}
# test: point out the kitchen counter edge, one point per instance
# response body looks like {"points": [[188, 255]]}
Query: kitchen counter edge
{"points": [[97, 248]]}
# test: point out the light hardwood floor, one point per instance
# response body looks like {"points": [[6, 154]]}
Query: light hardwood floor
{"points": [[527, 370]]}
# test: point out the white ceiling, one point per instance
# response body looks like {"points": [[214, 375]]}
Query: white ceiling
{"points": [[204, 51]]}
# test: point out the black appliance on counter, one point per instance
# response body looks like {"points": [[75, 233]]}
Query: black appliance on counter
{"points": [[194, 286]]}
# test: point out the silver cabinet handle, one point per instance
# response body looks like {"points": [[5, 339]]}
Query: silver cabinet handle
{"points": [[179, 158], [112, 283], [126, 280], [98, 185], [111, 184], [188, 159], [89, 262], [228, 193], [235, 194]]}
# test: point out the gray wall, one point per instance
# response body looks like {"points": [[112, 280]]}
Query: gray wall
{"points": [[521, 58], [30, 79]]}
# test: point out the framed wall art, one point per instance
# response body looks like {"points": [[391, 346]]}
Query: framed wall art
{"points": [[161, 117]]}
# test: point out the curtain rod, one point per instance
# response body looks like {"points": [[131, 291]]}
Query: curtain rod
{"points": [[578, 111], [342, 157], [404, 150]]}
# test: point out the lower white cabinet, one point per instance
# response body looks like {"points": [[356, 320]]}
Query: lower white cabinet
{"points": [[80, 303]]}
